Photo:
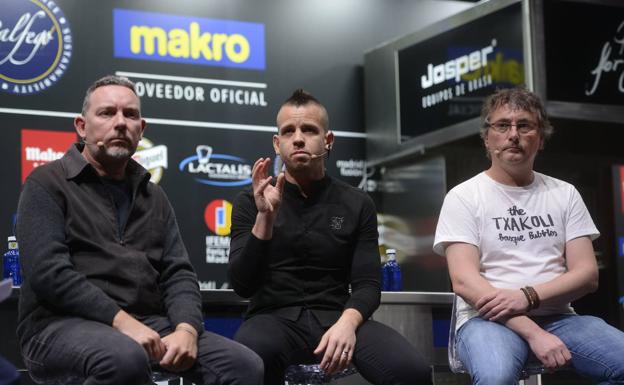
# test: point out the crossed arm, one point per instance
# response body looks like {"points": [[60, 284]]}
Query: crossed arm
{"points": [[507, 306]]}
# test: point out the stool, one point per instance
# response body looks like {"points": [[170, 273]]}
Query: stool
{"points": [[530, 375], [313, 375]]}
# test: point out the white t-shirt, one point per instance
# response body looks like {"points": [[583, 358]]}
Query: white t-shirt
{"points": [[521, 232]]}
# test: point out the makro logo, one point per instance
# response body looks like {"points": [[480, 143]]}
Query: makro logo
{"points": [[218, 216], [191, 40], [455, 68], [42, 146], [153, 158], [35, 45], [217, 169]]}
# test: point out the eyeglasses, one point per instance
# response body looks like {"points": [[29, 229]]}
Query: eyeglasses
{"points": [[503, 126]]}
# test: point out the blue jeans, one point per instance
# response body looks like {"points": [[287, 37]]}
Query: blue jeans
{"points": [[495, 355]]}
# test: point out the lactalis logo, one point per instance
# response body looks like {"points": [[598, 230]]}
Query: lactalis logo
{"points": [[35, 45], [192, 40]]}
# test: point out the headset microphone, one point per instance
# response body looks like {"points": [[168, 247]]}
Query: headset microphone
{"points": [[314, 156], [327, 149], [99, 143]]}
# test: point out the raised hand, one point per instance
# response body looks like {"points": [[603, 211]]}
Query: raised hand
{"points": [[266, 196]]}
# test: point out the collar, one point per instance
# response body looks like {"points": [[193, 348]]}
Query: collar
{"points": [[76, 166], [315, 188]]}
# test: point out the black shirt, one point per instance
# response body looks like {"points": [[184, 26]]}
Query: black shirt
{"points": [[320, 246]]}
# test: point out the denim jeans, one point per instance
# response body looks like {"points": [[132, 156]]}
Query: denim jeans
{"points": [[79, 348], [495, 355]]}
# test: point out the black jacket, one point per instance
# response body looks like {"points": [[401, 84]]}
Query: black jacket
{"points": [[77, 263]]}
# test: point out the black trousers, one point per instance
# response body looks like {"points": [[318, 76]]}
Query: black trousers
{"points": [[101, 355], [381, 355]]}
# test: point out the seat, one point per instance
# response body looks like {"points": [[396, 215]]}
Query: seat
{"points": [[530, 375], [299, 374]]}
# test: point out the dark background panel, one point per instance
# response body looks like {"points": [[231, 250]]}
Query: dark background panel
{"points": [[315, 45], [581, 47]]}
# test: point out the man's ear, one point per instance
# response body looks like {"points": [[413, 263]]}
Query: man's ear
{"points": [[79, 125], [276, 144], [143, 125], [329, 140]]}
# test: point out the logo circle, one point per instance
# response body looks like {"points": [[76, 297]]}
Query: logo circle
{"points": [[37, 47], [218, 216]]}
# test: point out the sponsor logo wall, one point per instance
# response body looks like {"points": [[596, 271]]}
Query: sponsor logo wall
{"points": [[210, 80]]}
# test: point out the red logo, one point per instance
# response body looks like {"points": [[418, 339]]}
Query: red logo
{"points": [[218, 216], [43, 146]]}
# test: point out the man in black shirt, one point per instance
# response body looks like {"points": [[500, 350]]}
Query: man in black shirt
{"points": [[108, 287], [297, 248]]}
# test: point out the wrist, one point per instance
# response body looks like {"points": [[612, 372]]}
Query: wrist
{"points": [[187, 328], [120, 319], [352, 317], [532, 297], [263, 227]]}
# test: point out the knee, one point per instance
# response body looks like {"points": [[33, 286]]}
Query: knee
{"points": [[250, 366], [127, 365], [263, 349]]}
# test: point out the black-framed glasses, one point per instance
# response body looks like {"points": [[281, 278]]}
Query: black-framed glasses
{"points": [[524, 127]]}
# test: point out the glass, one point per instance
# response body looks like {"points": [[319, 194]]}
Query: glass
{"points": [[504, 126]]}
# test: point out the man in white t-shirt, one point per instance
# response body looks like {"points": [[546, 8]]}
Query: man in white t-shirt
{"points": [[519, 249]]}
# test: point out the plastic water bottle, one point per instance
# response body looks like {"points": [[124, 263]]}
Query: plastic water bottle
{"points": [[391, 273], [11, 263]]}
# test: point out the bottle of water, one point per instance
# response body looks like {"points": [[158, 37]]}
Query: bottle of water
{"points": [[391, 273], [11, 263]]}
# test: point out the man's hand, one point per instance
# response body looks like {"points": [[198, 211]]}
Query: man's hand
{"points": [[266, 196], [143, 335], [338, 342], [502, 303], [550, 350], [181, 349]]}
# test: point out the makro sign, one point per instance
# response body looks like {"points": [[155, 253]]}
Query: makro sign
{"points": [[192, 40], [35, 45]]}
